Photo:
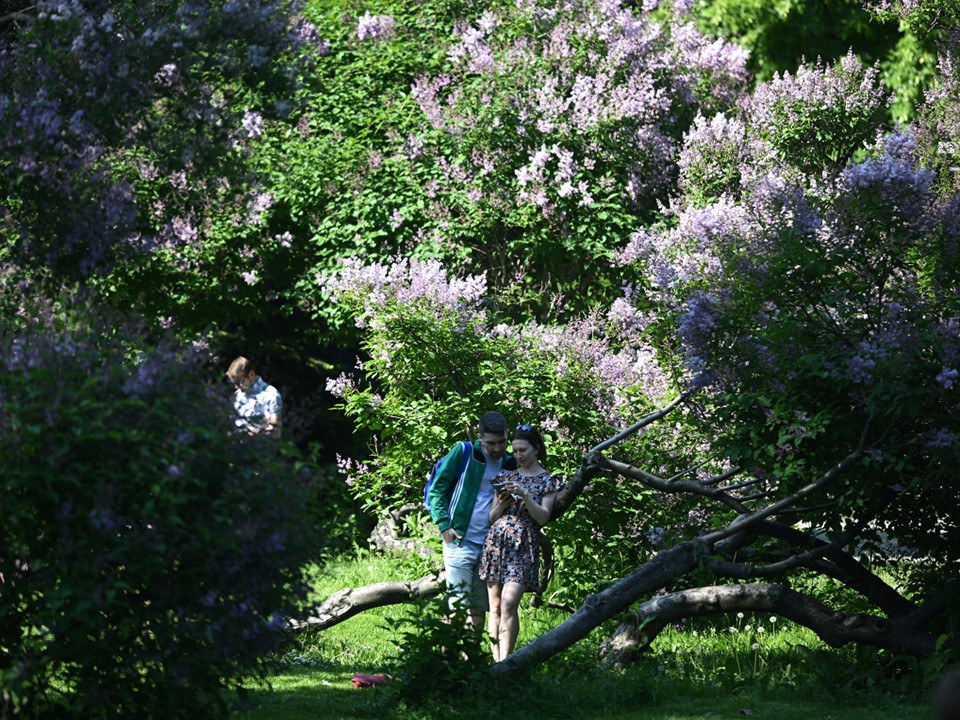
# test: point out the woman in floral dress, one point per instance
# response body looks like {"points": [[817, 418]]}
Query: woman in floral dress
{"points": [[510, 562]]}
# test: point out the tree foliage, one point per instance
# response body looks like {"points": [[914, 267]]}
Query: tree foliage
{"points": [[148, 559], [802, 285], [574, 213]]}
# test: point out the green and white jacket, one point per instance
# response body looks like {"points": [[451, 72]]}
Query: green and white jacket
{"points": [[452, 498]]}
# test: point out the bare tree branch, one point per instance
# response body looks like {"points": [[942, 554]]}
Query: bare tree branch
{"points": [[346, 603], [649, 419], [689, 487], [18, 16], [725, 568], [833, 627]]}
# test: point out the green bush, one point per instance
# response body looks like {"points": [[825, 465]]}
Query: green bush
{"points": [[438, 653], [148, 559]]}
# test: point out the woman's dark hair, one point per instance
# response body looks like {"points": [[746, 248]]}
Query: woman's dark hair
{"points": [[532, 436]]}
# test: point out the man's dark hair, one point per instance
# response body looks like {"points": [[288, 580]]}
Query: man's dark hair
{"points": [[492, 422]]}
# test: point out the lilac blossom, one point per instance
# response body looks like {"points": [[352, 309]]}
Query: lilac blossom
{"points": [[252, 123], [167, 75], [713, 150], [860, 369], [407, 280], [716, 70], [259, 203], [849, 85], [340, 385], [947, 377], [791, 111], [619, 96], [942, 438], [472, 49], [375, 27], [900, 185], [306, 34], [184, 231]]}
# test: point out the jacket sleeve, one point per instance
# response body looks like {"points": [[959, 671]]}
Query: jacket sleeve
{"points": [[442, 488]]}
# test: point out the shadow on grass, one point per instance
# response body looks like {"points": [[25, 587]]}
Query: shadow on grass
{"points": [[301, 693]]}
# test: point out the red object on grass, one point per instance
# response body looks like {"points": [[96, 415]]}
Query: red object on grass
{"points": [[361, 681]]}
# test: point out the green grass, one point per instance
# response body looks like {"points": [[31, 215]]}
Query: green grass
{"points": [[740, 667]]}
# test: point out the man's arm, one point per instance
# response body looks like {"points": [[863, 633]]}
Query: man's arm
{"points": [[441, 490], [273, 426], [272, 409]]}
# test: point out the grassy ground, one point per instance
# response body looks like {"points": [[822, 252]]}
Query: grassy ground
{"points": [[742, 667]]}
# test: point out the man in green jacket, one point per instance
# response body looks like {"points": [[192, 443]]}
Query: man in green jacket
{"points": [[460, 506]]}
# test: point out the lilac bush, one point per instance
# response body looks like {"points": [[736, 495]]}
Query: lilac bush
{"points": [[436, 353], [567, 120], [117, 119], [794, 281], [148, 559], [818, 116]]}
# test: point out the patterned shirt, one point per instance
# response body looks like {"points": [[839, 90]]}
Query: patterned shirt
{"points": [[255, 405]]}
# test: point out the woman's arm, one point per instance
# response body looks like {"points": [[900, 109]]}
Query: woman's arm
{"points": [[501, 501], [539, 512]]}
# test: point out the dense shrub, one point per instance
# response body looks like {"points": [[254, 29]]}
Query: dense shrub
{"points": [[147, 557]]}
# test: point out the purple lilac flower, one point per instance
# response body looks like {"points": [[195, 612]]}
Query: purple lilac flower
{"points": [[167, 75], [713, 150], [718, 65], [473, 51], [942, 438], [253, 123], [406, 281], [860, 369], [375, 27], [947, 377], [788, 102]]}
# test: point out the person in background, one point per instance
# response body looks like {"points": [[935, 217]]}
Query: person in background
{"points": [[460, 507], [258, 405], [510, 562]]}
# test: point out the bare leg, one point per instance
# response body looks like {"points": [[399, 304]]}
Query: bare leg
{"points": [[509, 617], [493, 628]]}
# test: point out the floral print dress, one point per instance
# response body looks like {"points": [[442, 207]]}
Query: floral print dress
{"points": [[511, 552]]}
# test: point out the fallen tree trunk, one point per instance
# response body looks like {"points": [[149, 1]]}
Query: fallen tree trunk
{"points": [[602, 606], [348, 602], [834, 628]]}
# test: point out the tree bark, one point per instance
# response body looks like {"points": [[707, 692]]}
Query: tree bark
{"points": [[385, 537], [604, 605], [834, 628], [348, 602]]}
